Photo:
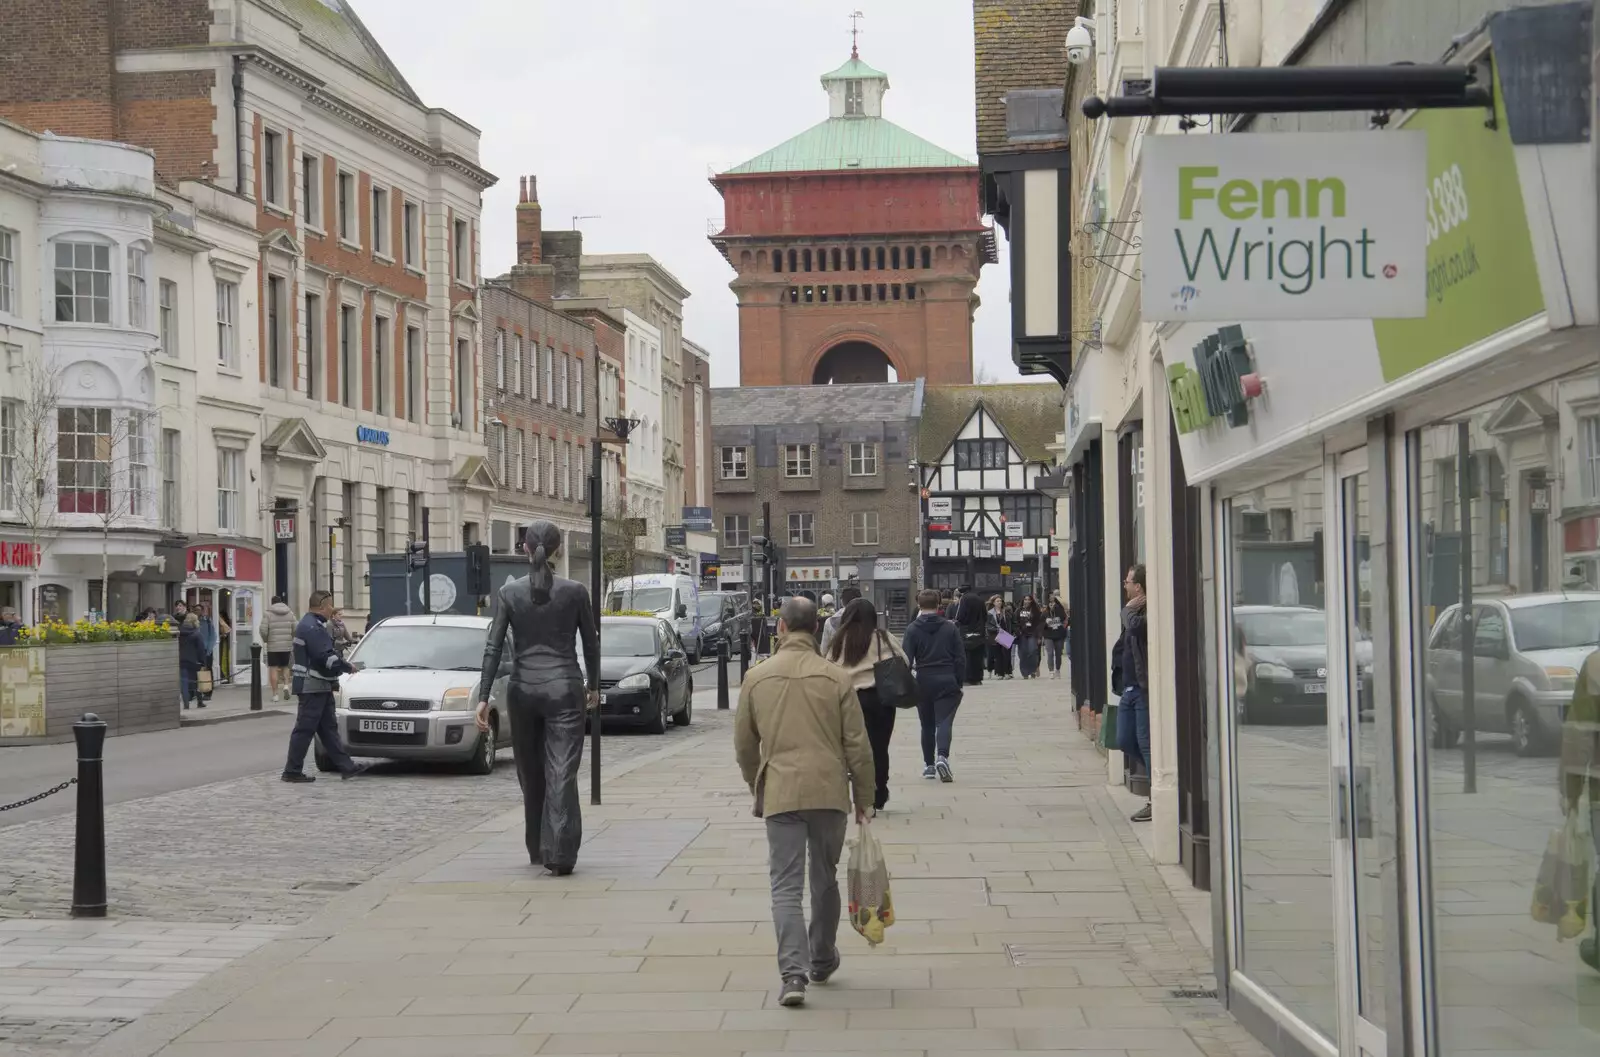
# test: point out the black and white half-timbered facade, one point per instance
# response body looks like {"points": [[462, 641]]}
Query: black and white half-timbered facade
{"points": [[984, 524]]}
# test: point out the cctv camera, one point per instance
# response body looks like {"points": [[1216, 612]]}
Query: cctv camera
{"points": [[1080, 41]]}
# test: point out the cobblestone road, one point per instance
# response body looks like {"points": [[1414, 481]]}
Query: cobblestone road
{"points": [[256, 850]]}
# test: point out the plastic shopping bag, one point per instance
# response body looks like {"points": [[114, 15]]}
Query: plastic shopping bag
{"points": [[1561, 893], [871, 909]]}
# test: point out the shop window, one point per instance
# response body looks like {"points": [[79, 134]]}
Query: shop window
{"points": [[1506, 691], [1279, 682]]}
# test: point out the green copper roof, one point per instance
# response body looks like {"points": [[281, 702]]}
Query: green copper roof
{"points": [[852, 143], [855, 70]]}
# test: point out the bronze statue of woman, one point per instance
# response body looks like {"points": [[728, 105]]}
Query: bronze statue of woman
{"points": [[546, 699]]}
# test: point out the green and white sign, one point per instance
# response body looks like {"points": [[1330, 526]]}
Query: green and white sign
{"points": [[1482, 277], [1307, 226]]}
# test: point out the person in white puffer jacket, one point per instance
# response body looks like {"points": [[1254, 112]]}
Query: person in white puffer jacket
{"points": [[276, 635]]}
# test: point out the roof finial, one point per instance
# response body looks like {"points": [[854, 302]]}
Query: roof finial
{"points": [[855, 30]]}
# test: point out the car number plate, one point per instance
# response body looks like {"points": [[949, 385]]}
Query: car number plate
{"points": [[602, 699], [1316, 688], [386, 726]]}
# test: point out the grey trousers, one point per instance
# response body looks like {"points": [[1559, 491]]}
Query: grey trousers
{"points": [[790, 835]]}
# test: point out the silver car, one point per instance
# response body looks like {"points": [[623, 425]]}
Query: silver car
{"points": [[1525, 651], [417, 697]]}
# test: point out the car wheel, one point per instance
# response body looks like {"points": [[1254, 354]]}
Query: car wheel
{"points": [[324, 761], [1527, 737], [658, 722], [686, 716], [483, 754], [1442, 734]]}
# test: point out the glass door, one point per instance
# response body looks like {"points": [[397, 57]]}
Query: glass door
{"points": [[1358, 715]]}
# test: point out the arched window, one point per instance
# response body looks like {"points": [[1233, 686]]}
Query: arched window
{"points": [[792, 267], [808, 260], [894, 258], [777, 260], [836, 256], [927, 257], [880, 258]]}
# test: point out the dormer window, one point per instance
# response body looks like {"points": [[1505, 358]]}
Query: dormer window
{"points": [[854, 99]]}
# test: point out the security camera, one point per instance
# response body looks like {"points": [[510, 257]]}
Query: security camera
{"points": [[1080, 41]]}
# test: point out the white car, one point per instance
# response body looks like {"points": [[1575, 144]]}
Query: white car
{"points": [[417, 696]]}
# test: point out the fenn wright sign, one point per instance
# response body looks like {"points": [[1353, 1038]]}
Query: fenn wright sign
{"points": [[1304, 226]]}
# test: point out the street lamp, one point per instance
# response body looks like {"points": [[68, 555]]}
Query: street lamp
{"points": [[620, 429]]}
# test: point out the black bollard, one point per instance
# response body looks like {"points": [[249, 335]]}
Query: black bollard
{"points": [[744, 656], [255, 677], [89, 856], [722, 674]]}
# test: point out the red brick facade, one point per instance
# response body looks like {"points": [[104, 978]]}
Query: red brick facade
{"points": [[889, 259]]}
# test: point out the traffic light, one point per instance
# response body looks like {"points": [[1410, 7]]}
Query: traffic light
{"points": [[417, 554], [759, 548], [478, 569]]}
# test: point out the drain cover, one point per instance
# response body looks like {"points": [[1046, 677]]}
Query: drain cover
{"points": [[1193, 993]]}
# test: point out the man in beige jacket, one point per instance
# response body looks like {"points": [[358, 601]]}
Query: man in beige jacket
{"points": [[802, 746]]}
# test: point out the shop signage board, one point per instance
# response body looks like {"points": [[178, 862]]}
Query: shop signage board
{"points": [[731, 573], [283, 528], [1482, 275], [368, 435], [939, 508], [697, 518], [18, 555], [221, 562], [809, 574], [1013, 530], [1013, 550], [677, 535], [891, 569], [1308, 226]]}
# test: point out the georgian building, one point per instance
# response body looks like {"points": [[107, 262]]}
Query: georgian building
{"points": [[354, 334]]}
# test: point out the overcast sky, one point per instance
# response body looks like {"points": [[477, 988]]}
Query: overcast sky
{"points": [[622, 108]]}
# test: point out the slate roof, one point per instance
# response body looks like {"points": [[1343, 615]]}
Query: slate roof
{"points": [[785, 404], [1017, 44], [334, 26], [1030, 414]]}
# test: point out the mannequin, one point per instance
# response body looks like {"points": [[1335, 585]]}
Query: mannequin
{"points": [[546, 698]]}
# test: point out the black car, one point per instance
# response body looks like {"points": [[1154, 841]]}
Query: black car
{"points": [[644, 673], [723, 614]]}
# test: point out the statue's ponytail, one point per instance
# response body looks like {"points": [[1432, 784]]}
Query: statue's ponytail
{"points": [[541, 576], [541, 541]]}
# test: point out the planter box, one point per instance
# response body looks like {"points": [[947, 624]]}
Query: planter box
{"points": [[133, 686]]}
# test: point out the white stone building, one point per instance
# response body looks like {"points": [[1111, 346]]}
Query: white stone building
{"points": [[646, 492], [77, 379]]}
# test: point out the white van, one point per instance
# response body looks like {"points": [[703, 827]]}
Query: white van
{"points": [[673, 597]]}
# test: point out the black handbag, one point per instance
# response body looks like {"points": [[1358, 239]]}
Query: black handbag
{"points": [[891, 679]]}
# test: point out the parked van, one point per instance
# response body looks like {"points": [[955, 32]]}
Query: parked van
{"points": [[673, 597]]}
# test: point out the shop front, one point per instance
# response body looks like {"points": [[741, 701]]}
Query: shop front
{"points": [[811, 580], [225, 577], [1402, 652]]}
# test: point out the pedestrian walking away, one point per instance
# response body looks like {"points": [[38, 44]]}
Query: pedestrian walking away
{"points": [[1029, 630], [1132, 654], [1055, 633], [971, 619], [802, 748], [224, 648], [830, 626], [208, 632], [546, 695], [857, 647], [191, 659], [939, 659], [317, 667], [276, 634]]}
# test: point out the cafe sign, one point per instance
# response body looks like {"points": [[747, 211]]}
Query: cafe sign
{"points": [[1303, 226]]}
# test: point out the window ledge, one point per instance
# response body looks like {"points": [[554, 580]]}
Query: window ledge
{"points": [[313, 230], [463, 284], [276, 210], [379, 255], [230, 371], [412, 269], [354, 247]]}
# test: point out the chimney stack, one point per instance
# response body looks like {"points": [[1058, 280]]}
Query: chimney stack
{"points": [[530, 276], [563, 251]]}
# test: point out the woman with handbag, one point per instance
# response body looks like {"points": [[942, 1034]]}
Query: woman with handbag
{"points": [[1000, 638], [191, 660], [881, 675]]}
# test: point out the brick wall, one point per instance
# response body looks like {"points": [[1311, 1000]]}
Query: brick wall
{"points": [[171, 113], [530, 411]]}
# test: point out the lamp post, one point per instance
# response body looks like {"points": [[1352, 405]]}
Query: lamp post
{"points": [[620, 429]]}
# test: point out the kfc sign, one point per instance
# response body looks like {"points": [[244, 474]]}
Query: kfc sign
{"points": [[224, 563], [18, 555]]}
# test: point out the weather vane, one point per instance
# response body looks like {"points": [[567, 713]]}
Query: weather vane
{"points": [[855, 31]]}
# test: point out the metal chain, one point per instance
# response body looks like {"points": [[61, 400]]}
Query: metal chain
{"points": [[41, 796]]}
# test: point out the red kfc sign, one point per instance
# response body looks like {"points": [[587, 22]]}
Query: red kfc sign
{"points": [[22, 555], [216, 562]]}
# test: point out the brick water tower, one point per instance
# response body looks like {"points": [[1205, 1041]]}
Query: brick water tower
{"points": [[857, 246]]}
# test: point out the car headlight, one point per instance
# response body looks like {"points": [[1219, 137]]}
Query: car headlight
{"points": [[636, 681], [1561, 677], [457, 699], [1269, 670]]}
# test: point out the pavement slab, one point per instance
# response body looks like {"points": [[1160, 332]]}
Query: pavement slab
{"points": [[1031, 920]]}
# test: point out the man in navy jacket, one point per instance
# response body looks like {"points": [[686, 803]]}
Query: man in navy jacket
{"points": [[939, 658], [317, 667]]}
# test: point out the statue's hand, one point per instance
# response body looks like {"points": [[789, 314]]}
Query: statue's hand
{"points": [[594, 700], [483, 716]]}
